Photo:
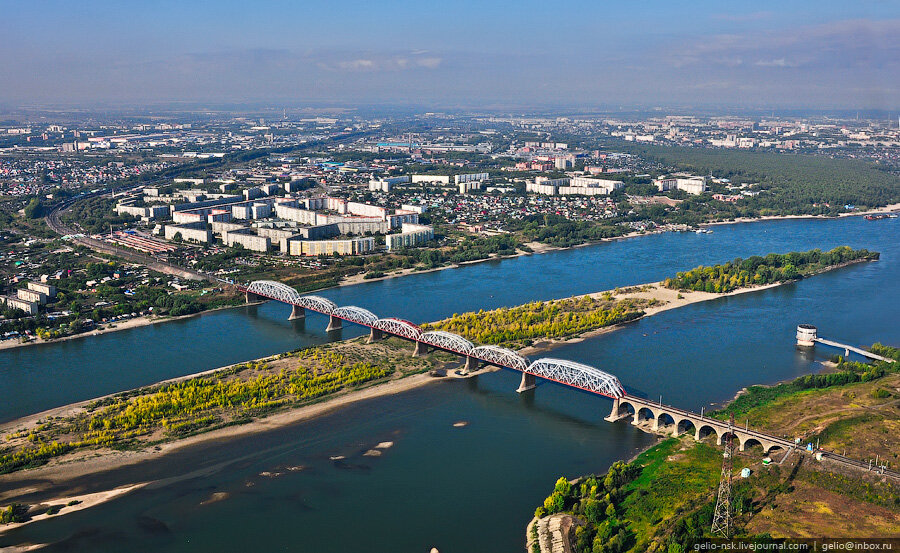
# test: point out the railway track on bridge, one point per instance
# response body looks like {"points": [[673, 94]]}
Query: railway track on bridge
{"points": [[568, 373]]}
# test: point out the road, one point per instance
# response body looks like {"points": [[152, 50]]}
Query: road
{"points": [[53, 221]]}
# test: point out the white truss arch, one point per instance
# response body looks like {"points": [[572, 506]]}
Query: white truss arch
{"points": [[501, 357], [578, 375], [447, 340], [398, 327], [274, 291], [317, 303], [356, 315]]}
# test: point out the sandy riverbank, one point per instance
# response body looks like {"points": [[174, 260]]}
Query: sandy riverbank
{"points": [[887, 209], [58, 472], [71, 504]]}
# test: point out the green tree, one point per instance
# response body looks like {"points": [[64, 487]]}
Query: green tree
{"points": [[34, 209]]}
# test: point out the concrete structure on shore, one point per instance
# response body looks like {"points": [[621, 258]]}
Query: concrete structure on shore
{"points": [[808, 335], [675, 421]]}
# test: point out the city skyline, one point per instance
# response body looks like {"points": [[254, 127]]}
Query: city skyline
{"points": [[818, 56]]}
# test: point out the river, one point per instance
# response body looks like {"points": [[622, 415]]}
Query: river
{"points": [[467, 489]]}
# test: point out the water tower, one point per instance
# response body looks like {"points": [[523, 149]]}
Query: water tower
{"points": [[806, 335]]}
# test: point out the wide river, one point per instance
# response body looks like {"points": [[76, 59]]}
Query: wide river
{"points": [[464, 489]]}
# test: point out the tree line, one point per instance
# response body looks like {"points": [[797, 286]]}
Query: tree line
{"points": [[556, 319], [757, 270], [233, 395]]}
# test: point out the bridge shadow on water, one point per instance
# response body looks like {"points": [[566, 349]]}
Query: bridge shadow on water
{"points": [[489, 390]]}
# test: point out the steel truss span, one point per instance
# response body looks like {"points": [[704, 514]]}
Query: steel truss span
{"points": [[398, 327], [500, 357], [576, 374], [356, 315], [274, 290], [559, 370], [317, 303], [447, 340]]}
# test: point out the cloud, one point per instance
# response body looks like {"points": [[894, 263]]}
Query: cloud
{"points": [[742, 18], [382, 62], [356, 65], [780, 62], [860, 43]]}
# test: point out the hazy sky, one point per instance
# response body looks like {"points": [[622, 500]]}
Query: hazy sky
{"points": [[815, 54]]}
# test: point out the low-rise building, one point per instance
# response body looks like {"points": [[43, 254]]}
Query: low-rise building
{"points": [[31, 295], [29, 307], [47, 289], [279, 236]]}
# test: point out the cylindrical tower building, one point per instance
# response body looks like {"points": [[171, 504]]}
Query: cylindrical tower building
{"points": [[806, 335]]}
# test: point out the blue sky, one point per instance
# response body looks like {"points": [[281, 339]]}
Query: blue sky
{"points": [[465, 53]]}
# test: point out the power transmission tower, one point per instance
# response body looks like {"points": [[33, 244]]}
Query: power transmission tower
{"points": [[722, 521]]}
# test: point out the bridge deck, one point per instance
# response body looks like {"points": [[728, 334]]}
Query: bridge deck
{"points": [[862, 352]]}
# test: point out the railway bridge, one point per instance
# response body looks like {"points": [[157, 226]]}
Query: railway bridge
{"points": [[642, 412], [675, 421], [562, 371]]}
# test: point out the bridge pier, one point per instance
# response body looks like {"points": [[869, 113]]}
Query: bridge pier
{"points": [[421, 349], [250, 297], [528, 383], [472, 364], [375, 335], [334, 323], [297, 312], [614, 413]]}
